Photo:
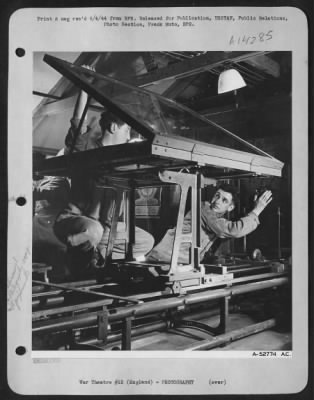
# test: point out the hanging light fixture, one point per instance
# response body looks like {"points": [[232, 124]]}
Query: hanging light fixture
{"points": [[229, 80]]}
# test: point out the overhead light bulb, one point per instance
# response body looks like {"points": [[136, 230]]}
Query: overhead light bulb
{"points": [[229, 80]]}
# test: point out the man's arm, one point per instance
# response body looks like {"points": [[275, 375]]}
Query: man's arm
{"points": [[82, 137], [80, 105], [224, 228]]}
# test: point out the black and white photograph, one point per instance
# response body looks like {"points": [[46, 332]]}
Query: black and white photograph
{"points": [[158, 201], [206, 265]]}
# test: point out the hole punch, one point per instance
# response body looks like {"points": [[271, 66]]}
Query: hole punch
{"points": [[20, 52], [20, 350], [21, 201]]}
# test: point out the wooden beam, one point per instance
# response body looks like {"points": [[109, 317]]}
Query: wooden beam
{"points": [[161, 87], [178, 87], [189, 67], [265, 64]]}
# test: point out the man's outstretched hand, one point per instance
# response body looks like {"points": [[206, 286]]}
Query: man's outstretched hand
{"points": [[262, 202]]}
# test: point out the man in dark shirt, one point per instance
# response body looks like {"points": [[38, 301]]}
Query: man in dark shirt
{"points": [[85, 222]]}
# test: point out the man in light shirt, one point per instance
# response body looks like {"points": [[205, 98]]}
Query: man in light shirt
{"points": [[213, 225]]}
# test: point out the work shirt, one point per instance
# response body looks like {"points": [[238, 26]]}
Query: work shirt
{"points": [[213, 226], [91, 197], [85, 139]]}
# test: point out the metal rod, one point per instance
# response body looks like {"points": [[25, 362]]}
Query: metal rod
{"points": [[154, 306], [102, 320], [224, 313], [116, 207], [48, 95], [252, 287], [178, 230], [76, 307], [37, 293], [126, 334], [279, 232], [197, 210], [78, 130], [131, 222], [148, 328], [244, 279], [51, 96], [248, 269], [137, 331], [232, 336], [86, 291], [244, 237], [47, 301], [236, 176]]}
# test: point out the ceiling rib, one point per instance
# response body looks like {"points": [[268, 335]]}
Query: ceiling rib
{"points": [[188, 67]]}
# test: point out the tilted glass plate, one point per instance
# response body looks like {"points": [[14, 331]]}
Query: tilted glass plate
{"points": [[148, 113]]}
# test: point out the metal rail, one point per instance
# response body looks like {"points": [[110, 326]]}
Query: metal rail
{"points": [[68, 309], [86, 291], [156, 306], [232, 336], [141, 330]]}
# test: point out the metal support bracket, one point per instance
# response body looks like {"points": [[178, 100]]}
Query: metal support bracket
{"points": [[114, 224], [186, 182], [130, 222]]}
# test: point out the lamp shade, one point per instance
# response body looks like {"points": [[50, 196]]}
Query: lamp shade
{"points": [[230, 79]]}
